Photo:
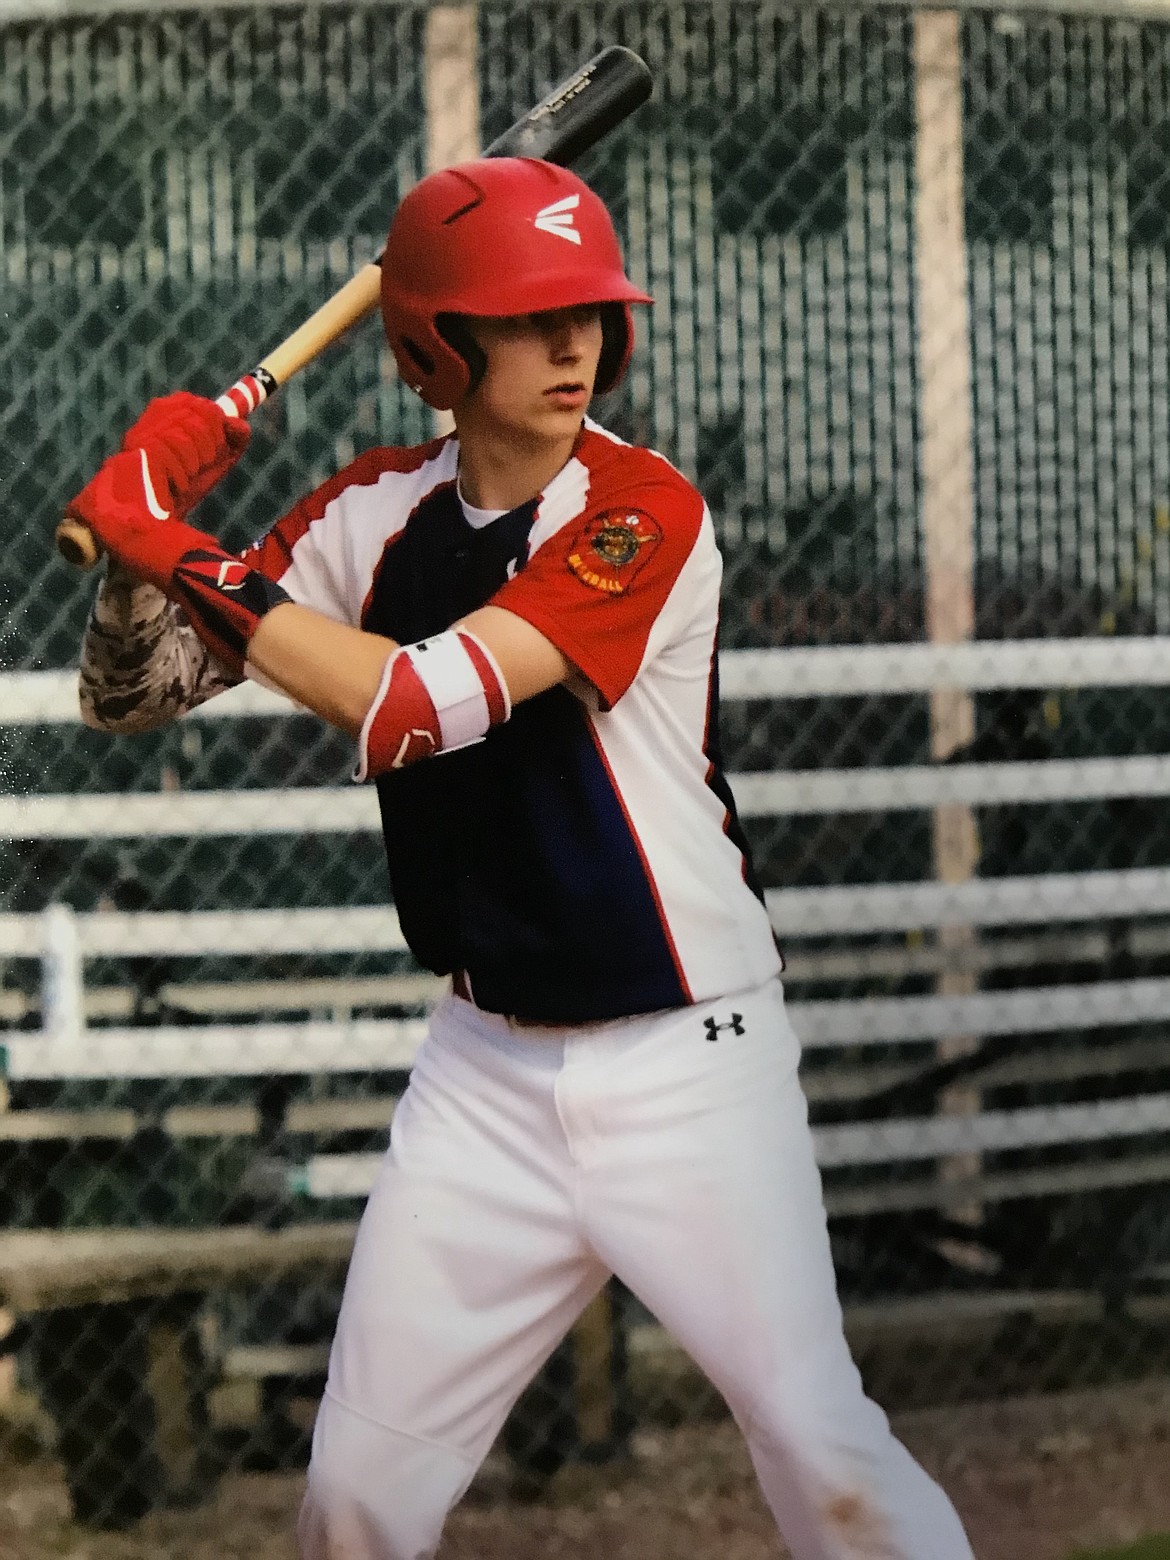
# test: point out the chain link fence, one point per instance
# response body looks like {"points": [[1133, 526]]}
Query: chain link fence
{"points": [[912, 338]]}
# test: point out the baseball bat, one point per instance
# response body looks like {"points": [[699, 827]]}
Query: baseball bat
{"points": [[571, 119]]}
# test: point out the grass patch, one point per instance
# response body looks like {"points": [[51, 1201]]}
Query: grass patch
{"points": [[1155, 1547]]}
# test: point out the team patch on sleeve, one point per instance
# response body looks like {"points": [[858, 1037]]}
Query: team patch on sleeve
{"points": [[612, 548], [600, 585]]}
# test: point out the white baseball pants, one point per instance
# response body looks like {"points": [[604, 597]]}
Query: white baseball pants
{"points": [[525, 1165]]}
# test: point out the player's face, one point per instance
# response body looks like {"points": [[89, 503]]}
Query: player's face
{"points": [[540, 373]]}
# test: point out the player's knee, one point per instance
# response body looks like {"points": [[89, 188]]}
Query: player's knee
{"points": [[814, 1405], [374, 1493]]}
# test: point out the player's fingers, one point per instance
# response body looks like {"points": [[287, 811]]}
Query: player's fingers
{"points": [[198, 416], [185, 450], [158, 415], [217, 436], [206, 439], [237, 432]]}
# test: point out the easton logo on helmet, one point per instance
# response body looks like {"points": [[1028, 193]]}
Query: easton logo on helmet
{"points": [[558, 219]]}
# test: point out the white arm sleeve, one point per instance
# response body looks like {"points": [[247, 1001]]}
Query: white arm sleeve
{"points": [[142, 664]]}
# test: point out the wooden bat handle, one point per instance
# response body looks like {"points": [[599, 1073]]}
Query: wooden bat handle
{"points": [[350, 303], [358, 297]]}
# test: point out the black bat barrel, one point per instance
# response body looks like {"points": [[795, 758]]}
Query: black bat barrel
{"points": [[581, 111]]}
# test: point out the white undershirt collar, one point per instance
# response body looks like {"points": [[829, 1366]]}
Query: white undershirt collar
{"points": [[477, 519]]}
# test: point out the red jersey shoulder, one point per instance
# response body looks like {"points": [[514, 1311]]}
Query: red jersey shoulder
{"points": [[272, 552], [614, 465], [640, 509]]}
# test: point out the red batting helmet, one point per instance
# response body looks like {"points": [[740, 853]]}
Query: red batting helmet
{"points": [[496, 237]]}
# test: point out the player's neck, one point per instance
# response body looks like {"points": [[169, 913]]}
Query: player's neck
{"points": [[504, 471]]}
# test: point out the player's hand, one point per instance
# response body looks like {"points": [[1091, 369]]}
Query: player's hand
{"points": [[120, 505], [190, 443], [224, 599]]}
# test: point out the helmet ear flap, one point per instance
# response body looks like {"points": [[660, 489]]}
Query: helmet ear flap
{"points": [[456, 332], [433, 366], [617, 340], [423, 360]]}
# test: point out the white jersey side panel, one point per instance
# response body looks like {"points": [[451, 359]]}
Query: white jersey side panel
{"points": [[652, 741]]}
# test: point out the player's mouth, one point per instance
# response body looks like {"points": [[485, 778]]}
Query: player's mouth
{"points": [[570, 396]]}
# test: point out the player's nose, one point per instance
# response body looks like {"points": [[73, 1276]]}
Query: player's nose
{"points": [[567, 337], [567, 346]]}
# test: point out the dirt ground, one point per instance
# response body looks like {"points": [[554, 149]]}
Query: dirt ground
{"points": [[1034, 1479]]}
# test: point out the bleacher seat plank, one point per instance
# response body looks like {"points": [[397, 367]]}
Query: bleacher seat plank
{"points": [[1036, 1010], [952, 1311], [32, 1126], [191, 814], [370, 1113], [198, 933], [795, 793], [995, 1186], [975, 666], [1037, 899], [275, 1359], [49, 1269], [216, 1050], [990, 1131], [905, 788]]}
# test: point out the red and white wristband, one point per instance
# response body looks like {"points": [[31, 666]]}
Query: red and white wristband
{"points": [[247, 393], [435, 696]]}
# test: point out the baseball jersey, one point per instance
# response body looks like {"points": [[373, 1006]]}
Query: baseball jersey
{"points": [[583, 861]]}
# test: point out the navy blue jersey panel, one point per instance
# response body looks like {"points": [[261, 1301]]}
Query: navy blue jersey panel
{"points": [[531, 880], [441, 568], [561, 920], [512, 859]]}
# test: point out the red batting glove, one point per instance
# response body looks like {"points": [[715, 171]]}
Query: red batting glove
{"points": [[120, 505], [170, 458], [190, 443], [223, 598]]}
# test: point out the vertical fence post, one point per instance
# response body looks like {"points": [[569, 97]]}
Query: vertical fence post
{"points": [[452, 96], [62, 978], [947, 466]]}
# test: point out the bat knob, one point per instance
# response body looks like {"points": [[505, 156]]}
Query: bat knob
{"points": [[77, 544]]}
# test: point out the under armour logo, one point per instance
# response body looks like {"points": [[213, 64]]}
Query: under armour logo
{"points": [[715, 1029], [558, 219]]}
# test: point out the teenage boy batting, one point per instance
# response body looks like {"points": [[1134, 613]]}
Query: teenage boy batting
{"points": [[517, 624]]}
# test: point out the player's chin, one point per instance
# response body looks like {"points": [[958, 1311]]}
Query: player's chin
{"points": [[564, 414], [549, 425]]}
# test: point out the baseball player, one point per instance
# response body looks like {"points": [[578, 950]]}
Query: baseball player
{"points": [[517, 624]]}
